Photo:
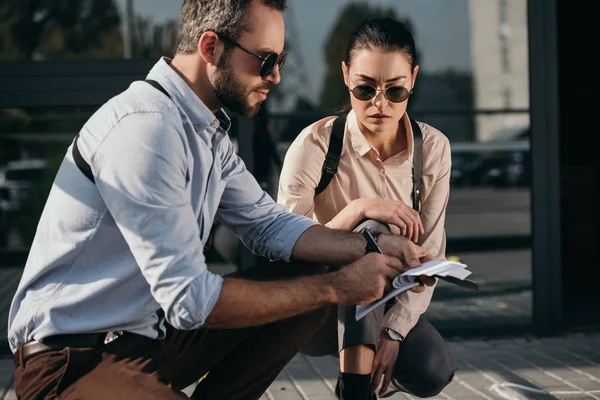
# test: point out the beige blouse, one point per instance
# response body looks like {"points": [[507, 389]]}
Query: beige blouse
{"points": [[362, 174]]}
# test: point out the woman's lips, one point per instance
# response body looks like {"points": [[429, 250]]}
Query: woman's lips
{"points": [[379, 117]]}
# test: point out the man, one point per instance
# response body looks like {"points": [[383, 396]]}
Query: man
{"points": [[115, 299]]}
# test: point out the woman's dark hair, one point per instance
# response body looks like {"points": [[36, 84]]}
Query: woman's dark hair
{"points": [[383, 34]]}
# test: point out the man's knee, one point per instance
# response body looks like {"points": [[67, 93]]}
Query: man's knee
{"points": [[309, 322]]}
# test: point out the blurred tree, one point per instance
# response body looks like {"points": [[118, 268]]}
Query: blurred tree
{"points": [[334, 94], [152, 40], [59, 29]]}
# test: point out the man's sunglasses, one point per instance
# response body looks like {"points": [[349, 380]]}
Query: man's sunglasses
{"points": [[268, 63], [395, 94]]}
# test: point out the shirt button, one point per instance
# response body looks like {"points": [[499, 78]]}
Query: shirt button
{"points": [[197, 126], [214, 124]]}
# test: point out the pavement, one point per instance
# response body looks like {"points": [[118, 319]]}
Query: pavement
{"points": [[566, 367]]}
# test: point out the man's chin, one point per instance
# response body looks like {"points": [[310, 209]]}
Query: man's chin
{"points": [[245, 110], [252, 110]]}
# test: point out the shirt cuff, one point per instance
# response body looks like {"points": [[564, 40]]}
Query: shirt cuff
{"points": [[287, 238], [401, 322]]}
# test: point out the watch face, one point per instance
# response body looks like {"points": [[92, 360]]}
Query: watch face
{"points": [[393, 334]]}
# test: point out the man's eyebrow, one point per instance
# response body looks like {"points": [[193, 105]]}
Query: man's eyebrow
{"points": [[368, 78]]}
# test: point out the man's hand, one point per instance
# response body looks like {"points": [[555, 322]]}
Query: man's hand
{"points": [[384, 362], [409, 254], [365, 280]]}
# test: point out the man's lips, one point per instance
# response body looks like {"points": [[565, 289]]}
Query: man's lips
{"points": [[262, 93]]}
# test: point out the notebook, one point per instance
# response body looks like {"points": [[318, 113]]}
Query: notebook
{"points": [[449, 271]]}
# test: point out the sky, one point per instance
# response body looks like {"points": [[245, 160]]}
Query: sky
{"points": [[441, 29]]}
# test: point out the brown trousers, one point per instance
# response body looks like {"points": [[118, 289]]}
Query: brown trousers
{"points": [[241, 363]]}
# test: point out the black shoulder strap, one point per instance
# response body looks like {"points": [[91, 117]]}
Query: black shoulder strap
{"points": [[157, 86], [332, 159], [84, 167], [81, 163], [417, 170]]}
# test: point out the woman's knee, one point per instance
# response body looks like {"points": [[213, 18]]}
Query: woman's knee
{"points": [[429, 379]]}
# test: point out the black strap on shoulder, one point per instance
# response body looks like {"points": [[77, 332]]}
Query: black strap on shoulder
{"points": [[81, 163], [83, 166], [332, 159], [157, 86], [417, 169]]}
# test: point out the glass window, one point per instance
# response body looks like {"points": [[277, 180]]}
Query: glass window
{"points": [[472, 86]]}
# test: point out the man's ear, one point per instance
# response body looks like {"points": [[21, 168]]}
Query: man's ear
{"points": [[345, 72], [208, 46]]}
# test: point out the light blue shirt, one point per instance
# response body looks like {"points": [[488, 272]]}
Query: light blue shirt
{"points": [[127, 252]]}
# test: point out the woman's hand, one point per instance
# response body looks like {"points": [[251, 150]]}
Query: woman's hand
{"points": [[384, 362], [393, 212]]}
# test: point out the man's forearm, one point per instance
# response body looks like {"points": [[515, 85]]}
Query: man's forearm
{"points": [[320, 245], [245, 303]]}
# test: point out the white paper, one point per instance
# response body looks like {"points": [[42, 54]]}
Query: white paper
{"points": [[406, 281]]}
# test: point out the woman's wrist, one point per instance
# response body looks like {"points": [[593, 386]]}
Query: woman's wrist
{"points": [[358, 208]]}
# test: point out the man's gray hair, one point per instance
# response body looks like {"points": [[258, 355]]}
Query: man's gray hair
{"points": [[222, 16]]}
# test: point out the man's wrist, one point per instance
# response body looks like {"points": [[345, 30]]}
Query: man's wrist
{"points": [[383, 241]]}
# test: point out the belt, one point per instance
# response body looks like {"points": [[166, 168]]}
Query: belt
{"points": [[58, 342]]}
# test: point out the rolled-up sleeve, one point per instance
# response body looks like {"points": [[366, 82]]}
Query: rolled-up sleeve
{"points": [[264, 226], [140, 171]]}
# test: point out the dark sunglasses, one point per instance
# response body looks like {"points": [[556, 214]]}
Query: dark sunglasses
{"points": [[268, 63], [395, 94]]}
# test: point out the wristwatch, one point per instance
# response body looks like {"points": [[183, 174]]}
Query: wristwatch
{"points": [[372, 247], [392, 334]]}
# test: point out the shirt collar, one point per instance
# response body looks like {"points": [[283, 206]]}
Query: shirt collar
{"points": [[361, 145], [185, 98], [358, 141]]}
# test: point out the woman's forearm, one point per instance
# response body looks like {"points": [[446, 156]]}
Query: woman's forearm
{"points": [[350, 215]]}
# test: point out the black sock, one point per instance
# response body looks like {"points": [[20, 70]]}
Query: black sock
{"points": [[354, 387]]}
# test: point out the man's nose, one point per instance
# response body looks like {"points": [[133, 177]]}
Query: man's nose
{"points": [[274, 77]]}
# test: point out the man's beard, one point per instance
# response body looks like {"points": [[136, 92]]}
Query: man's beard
{"points": [[231, 93]]}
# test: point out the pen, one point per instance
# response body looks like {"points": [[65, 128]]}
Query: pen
{"points": [[372, 243]]}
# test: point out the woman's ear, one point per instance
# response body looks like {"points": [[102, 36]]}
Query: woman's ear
{"points": [[414, 75], [345, 72]]}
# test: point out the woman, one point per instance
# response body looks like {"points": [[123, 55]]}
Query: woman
{"points": [[394, 349]]}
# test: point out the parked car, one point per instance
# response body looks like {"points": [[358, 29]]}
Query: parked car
{"points": [[17, 178], [514, 171], [470, 169]]}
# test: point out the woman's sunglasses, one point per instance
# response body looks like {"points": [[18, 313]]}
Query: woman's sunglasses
{"points": [[395, 94], [268, 63]]}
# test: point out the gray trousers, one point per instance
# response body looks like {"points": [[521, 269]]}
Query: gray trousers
{"points": [[423, 367]]}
